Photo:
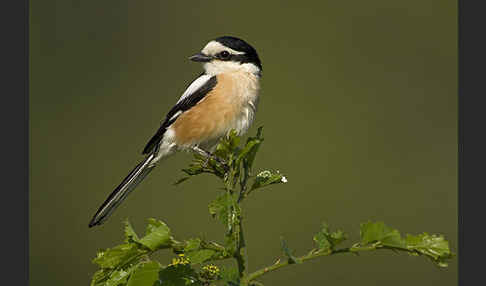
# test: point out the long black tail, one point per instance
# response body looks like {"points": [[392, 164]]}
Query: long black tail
{"points": [[121, 192]]}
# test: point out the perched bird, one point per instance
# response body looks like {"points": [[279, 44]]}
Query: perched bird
{"points": [[222, 98]]}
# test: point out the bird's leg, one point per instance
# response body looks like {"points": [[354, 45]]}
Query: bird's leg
{"points": [[208, 156], [201, 152]]}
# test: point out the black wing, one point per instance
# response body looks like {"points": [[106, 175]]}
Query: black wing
{"points": [[184, 103]]}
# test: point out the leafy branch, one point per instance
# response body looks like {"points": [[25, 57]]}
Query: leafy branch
{"points": [[131, 264]]}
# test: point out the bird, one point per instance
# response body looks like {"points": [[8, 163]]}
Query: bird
{"points": [[223, 98]]}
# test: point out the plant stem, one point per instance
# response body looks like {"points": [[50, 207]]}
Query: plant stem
{"points": [[279, 264], [244, 181], [240, 254]]}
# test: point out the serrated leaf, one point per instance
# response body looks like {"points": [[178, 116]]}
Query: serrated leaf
{"points": [[379, 232], [118, 277], [327, 240], [157, 235], [200, 256], [249, 151], [258, 140], [252, 145], [230, 275], [227, 210], [266, 178], [145, 274], [322, 241], [99, 277], [130, 234], [194, 169], [192, 244], [110, 277], [195, 254], [233, 140], [221, 207], [178, 275], [338, 236], [227, 146], [434, 246], [111, 258]]}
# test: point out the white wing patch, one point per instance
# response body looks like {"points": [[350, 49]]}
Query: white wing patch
{"points": [[195, 85], [175, 115]]}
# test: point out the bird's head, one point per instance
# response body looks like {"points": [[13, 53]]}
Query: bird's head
{"points": [[228, 54]]}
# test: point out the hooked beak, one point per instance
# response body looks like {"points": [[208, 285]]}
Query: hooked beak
{"points": [[200, 57]]}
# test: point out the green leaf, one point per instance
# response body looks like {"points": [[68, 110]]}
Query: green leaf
{"points": [[99, 277], [157, 235], [200, 256], [195, 254], [192, 244], [221, 207], [181, 180], [118, 277], [338, 237], [248, 152], [227, 210], [250, 148], [378, 235], [433, 246], [379, 232], [327, 240], [266, 178], [178, 275], [111, 258], [291, 258], [255, 143], [194, 169], [110, 277], [227, 146], [130, 234], [145, 274], [230, 276]]}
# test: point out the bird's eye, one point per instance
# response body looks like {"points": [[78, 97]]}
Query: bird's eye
{"points": [[224, 55]]}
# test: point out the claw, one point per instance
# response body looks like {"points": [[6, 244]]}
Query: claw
{"points": [[206, 162], [209, 156]]}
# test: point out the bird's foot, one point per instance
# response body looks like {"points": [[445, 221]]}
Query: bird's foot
{"points": [[209, 156]]}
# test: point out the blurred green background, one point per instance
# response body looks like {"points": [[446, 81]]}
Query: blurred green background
{"points": [[358, 102]]}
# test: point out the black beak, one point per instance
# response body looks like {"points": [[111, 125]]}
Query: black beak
{"points": [[200, 57]]}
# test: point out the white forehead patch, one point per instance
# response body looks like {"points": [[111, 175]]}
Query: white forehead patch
{"points": [[213, 48]]}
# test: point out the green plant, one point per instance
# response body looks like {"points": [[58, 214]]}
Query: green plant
{"points": [[131, 264]]}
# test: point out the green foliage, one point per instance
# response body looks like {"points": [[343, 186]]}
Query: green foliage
{"points": [[375, 235], [230, 276], [145, 274], [378, 232], [327, 240], [266, 178], [178, 275], [129, 264], [157, 235], [130, 235], [222, 206], [195, 252], [433, 246], [200, 256], [237, 166]]}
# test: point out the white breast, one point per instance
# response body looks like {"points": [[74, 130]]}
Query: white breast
{"points": [[246, 87]]}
